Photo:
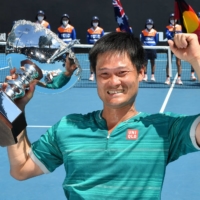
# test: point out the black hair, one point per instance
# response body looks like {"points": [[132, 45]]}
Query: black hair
{"points": [[71, 60], [118, 42]]}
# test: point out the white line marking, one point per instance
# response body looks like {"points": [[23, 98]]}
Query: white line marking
{"points": [[168, 95], [32, 126], [4, 68]]}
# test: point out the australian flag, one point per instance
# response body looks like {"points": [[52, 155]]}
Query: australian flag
{"points": [[120, 16]]}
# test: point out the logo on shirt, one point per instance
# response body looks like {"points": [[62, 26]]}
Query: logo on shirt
{"points": [[132, 134]]}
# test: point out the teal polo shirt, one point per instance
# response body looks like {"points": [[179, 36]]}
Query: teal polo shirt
{"points": [[58, 81], [129, 163]]}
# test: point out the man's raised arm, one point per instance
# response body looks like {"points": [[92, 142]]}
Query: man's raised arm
{"points": [[186, 47], [21, 165]]}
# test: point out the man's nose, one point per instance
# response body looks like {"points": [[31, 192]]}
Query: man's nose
{"points": [[114, 80]]}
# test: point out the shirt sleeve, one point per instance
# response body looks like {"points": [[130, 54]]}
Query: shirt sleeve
{"points": [[157, 38], [102, 33], [74, 34], [182, 140], [49, 27], [88, 37], [58, 81], [141, 37], [168, 34], [59, 34], [46, 153]]}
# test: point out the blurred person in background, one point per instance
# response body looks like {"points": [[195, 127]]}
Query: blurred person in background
{"points": [[149, 37], [170, 31], [93, 34], [198, 14], [66, 31], [40, 19]]}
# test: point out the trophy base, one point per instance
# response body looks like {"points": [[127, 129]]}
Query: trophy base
{"points": [[12, 121]]}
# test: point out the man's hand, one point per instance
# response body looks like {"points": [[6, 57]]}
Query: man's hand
{"points": [[21, 102], [186, 47]]}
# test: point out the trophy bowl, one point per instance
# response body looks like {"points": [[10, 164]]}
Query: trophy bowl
{"points": [[32, 41]]}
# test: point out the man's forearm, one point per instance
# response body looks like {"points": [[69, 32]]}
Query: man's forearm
{"points": [[18, 155], [41, 84], [196, 66]]}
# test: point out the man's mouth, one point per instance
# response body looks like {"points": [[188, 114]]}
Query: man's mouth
{"points": [[115, 91]]}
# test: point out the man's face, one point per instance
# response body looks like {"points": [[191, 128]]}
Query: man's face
{"points": [[117, 79], [69, 68]]}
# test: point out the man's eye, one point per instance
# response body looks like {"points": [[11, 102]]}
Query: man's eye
{"points": [[104, 74], [121, 73]]}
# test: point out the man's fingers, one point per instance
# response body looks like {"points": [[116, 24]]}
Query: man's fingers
{"points": [[172, 45], [8, 78], [185, 47], [183, 40], [34, 82], [11, 77], [4, 85], [32, 85], [12, 71], [180, 41]]}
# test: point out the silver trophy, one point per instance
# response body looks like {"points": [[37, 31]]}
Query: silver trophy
{"points": [[33, 45], [12, 119]]}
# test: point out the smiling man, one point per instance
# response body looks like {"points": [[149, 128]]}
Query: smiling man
{"points": [[117, 152], [118, 73]]}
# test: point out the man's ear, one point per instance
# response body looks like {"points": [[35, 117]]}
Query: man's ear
{"points": [[141, 74]]}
